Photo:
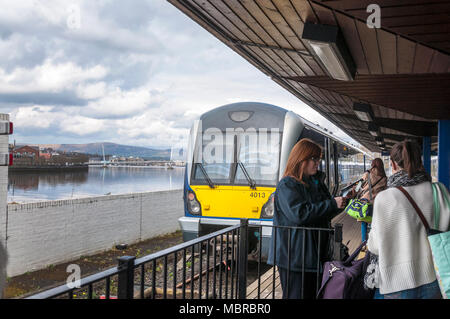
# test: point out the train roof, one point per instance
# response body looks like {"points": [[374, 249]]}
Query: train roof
{"points": [[219, 117], [325, 132]]}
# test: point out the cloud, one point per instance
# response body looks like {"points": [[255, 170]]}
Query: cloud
{"points": [[36, 117], [81, 126], [69, 98], [132, 72], [48, 77], [118, 104]]}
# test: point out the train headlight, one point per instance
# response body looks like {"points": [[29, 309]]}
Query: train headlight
{"points": [[268, 208], [193, 204], [194, 207]]}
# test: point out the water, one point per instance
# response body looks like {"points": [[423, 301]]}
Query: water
{"points": [[26, 187]]}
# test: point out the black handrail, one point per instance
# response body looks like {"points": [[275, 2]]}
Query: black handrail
{"points": [[107, 274], [234, 267], [63, 289], [171, 250]]}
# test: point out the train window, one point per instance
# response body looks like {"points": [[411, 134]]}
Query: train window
{"points": [[350, 165], [314, 136], [216, 158], [259, 154]]}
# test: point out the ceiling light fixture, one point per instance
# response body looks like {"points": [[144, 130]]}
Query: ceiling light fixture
{"points": [[327, 44], [373, 130], [363, 112]]}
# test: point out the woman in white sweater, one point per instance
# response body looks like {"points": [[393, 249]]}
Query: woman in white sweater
{"points": [[401, 262]]}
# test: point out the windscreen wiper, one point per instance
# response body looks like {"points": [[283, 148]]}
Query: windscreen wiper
{"points": [[251, 182], [208, 180]]}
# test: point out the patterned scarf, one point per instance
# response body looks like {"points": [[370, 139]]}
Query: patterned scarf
{"points": [[400, 178]]}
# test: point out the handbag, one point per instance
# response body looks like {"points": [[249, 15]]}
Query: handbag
{"points": [[439, 241], [345, 279], [361, 209]]}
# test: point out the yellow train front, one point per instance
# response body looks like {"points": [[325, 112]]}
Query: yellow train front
{"points": [[236, 155]]}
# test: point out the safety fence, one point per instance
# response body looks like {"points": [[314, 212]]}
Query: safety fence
{"points": [[214, 266]]}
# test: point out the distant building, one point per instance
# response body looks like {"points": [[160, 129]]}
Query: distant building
{"points": [[27, 151], [45, 153], [123, 159], [95, 159]]}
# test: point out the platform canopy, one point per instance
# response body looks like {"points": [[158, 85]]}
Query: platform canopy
{"points": [[399, 73]]}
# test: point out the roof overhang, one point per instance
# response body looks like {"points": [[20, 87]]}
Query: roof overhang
{"points": [[402, 68]]}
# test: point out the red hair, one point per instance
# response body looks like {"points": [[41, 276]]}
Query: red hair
{"points": [[304, 150]]}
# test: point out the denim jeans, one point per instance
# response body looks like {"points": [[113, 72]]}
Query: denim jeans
{"points": [[428, 291]]}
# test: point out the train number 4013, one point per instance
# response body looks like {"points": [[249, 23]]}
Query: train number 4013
{"points": [[257, 195]]}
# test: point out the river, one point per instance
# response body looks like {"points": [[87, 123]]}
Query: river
{"points": [[26, 187]]}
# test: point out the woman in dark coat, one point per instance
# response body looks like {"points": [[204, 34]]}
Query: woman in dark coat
{"points": [[302, 200]]}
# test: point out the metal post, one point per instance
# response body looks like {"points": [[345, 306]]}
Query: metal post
{"points": [[125, 289], [337, 242], [243, 259], [444, 152], [426, 147], [363, 231], [364, 224]]}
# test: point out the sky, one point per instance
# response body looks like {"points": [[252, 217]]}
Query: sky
{"points": [[130, 72]]}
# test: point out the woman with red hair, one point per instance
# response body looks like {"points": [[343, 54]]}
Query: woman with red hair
{"points": [[302, 200]]}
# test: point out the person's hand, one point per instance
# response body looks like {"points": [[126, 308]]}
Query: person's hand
{"points": [[340, 202]]}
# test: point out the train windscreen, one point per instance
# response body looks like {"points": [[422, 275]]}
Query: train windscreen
{"points": [[259, 153], [239, 158], [216, 158]]}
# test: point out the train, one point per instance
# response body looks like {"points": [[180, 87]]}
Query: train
{"points": [[236, 155]]}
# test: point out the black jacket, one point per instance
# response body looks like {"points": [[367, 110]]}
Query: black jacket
{"points": [[302, 205]]}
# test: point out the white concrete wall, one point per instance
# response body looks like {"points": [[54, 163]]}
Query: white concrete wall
{"points": [[52, 232]]}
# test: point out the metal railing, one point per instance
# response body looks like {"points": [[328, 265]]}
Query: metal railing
{"points": [[322, 242], [214, 266]]}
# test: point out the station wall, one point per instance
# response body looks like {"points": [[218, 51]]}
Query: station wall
{"points": [[52, 232]]}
